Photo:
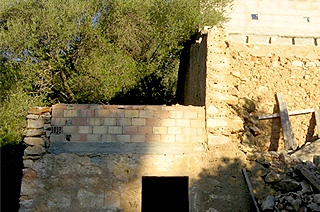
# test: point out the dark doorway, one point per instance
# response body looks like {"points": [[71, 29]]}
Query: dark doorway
{"points": [[165, 194]]}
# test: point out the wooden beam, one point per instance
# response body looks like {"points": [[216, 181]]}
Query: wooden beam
{"points": [[293, 113], [246, 176], [288, 136], [317, 116], [310, 177]]}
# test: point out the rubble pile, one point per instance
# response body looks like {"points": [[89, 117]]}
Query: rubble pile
{"points": [[279, 184]]}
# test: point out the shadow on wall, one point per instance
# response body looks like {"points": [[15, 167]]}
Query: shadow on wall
{"points": [[11, 174], [221, 187]]}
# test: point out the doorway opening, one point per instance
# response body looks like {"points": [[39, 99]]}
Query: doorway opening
{"points": [[165, 194]]}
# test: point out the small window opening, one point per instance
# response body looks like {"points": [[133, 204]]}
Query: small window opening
{"points": [[293, 41], [316, 42], [168, 194], [247, 39], [306, 19], [254, 17]]}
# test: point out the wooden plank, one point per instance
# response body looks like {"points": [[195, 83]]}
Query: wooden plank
{"points": [[289, 140], [293, 113], [246, 176], [317, 116], [310, 177]]}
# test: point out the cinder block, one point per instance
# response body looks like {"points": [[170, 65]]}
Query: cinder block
{"points": [[79, 121], [176, 114], [131, 113], [153, 122], [80, 107], [123, 138], [182, 138], [161, 114], [197, 123], [110, 121], [160, 130], [169, 108], [57, 138], [94, 137], [114, 130], [110, 107], [304, 42], [152, 138], [124, 121], [102, 113], [59, 107], [85, 129], [144, 130], [174, 130], [146, 113], [95, 121], [154, 107], [58, 121], [78, 138], [138, 121], [183, 122], [57, 113], [71, 113], [138, 138], [86, 113], [168, 122], [117, 113], [109, 138], [190, 115], [70, 129], [167, 138], [200, 131], [189, 131], [130, 130], [100, 129]]}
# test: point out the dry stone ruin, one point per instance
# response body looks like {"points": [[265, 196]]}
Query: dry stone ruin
{"points": [[188, 156]]}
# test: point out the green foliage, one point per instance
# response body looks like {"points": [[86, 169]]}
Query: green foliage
{"points": [[80, 51]]}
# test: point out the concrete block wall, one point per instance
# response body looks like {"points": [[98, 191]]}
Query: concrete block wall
{"points": [[114, 123]]}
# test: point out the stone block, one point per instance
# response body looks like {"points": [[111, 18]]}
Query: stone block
{"points": [[131, 113], [34, 132], [168, 122], [102, 113], [124, 121], [39, 110], [304, 42], [159, 130], [161, 114], [100, 129], [35, 123], [174, 130], [114, 130], [28, 163], [32, 116], [34, 141], [34, 150], [123, 138], [217, 123], [138, 138], [182, 138]]}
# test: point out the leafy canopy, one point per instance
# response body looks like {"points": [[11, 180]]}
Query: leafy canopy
{"points": [[80, 51]]}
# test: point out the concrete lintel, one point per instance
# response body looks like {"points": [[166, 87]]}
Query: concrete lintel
{"points": [[126, 148]]}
